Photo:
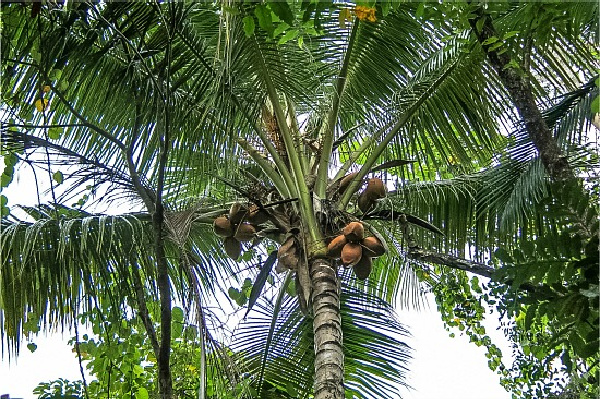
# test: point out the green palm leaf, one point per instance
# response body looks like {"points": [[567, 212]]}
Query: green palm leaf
{"points": [[369, 325]]}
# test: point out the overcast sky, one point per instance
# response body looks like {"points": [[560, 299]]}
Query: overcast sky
{"points": [[442, 367]]}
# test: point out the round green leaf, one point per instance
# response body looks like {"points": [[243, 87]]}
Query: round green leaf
{"points": [[177, 314], [54, 133], [55, 74], [63, 85], [5, 180], [248, 25], [233, 293], [125, 388], [241, 300], [58, 176], [138, 370], [142, 393], [176, 330], [291, 289]]}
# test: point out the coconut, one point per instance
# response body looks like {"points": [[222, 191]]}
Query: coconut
{"points": [[237, 213], [245, 232], [222, 227], [287, 255], [362, 269], [233, 247], [351, 254], [354, 231], [257, 216], [334, 249], [365, 203], [345, 182], [375, 188], [372, 247]]}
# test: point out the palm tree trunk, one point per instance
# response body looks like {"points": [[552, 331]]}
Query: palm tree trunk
{"points": [[521, 91], [327, 328]]}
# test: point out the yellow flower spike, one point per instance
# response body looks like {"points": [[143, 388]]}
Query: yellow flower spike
{"points": [[41, 104], [46, 89], [365, 13]]}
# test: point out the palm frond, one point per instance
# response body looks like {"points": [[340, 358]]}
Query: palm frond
{"points": [[372, 346], [65, 253]]}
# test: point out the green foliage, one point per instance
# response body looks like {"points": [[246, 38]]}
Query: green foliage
{"points": [[241, 295], [370, 326], [121, 361], [124, 73], [60, 389], [546, 294], [120, 358], [10, 161], [554, 300], [117, 357], [4, 209], [460, 300]]}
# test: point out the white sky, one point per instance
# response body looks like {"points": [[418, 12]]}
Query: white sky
{"points": [[442, 367]]}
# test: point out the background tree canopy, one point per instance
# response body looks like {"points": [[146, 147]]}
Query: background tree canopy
{"points": [[265, 145]]}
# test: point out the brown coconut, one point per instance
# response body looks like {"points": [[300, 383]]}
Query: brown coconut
{"points": [[257, 216], [354, 231], [233, 248], [222, 227], [372, 247], [245, 232], [345, 182], [363, 268], [237, 213], [375, 188], [334, 249], [365, 203], [351, 254], [287, 255]]}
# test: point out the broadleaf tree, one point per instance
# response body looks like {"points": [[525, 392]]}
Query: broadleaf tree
{"points": [[410, 141]]}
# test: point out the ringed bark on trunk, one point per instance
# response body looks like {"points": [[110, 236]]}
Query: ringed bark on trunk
{"points": [[327, 328]]}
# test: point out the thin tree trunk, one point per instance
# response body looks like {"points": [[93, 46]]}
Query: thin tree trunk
{"points": [[327, 327], [165, 385], [521, 92]]}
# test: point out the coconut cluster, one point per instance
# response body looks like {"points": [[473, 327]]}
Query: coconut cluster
{"points": [[240, 225], [356, 250], [375, 190]]}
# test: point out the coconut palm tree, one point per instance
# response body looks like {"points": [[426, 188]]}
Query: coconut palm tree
{"points": [[262, 123]]}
